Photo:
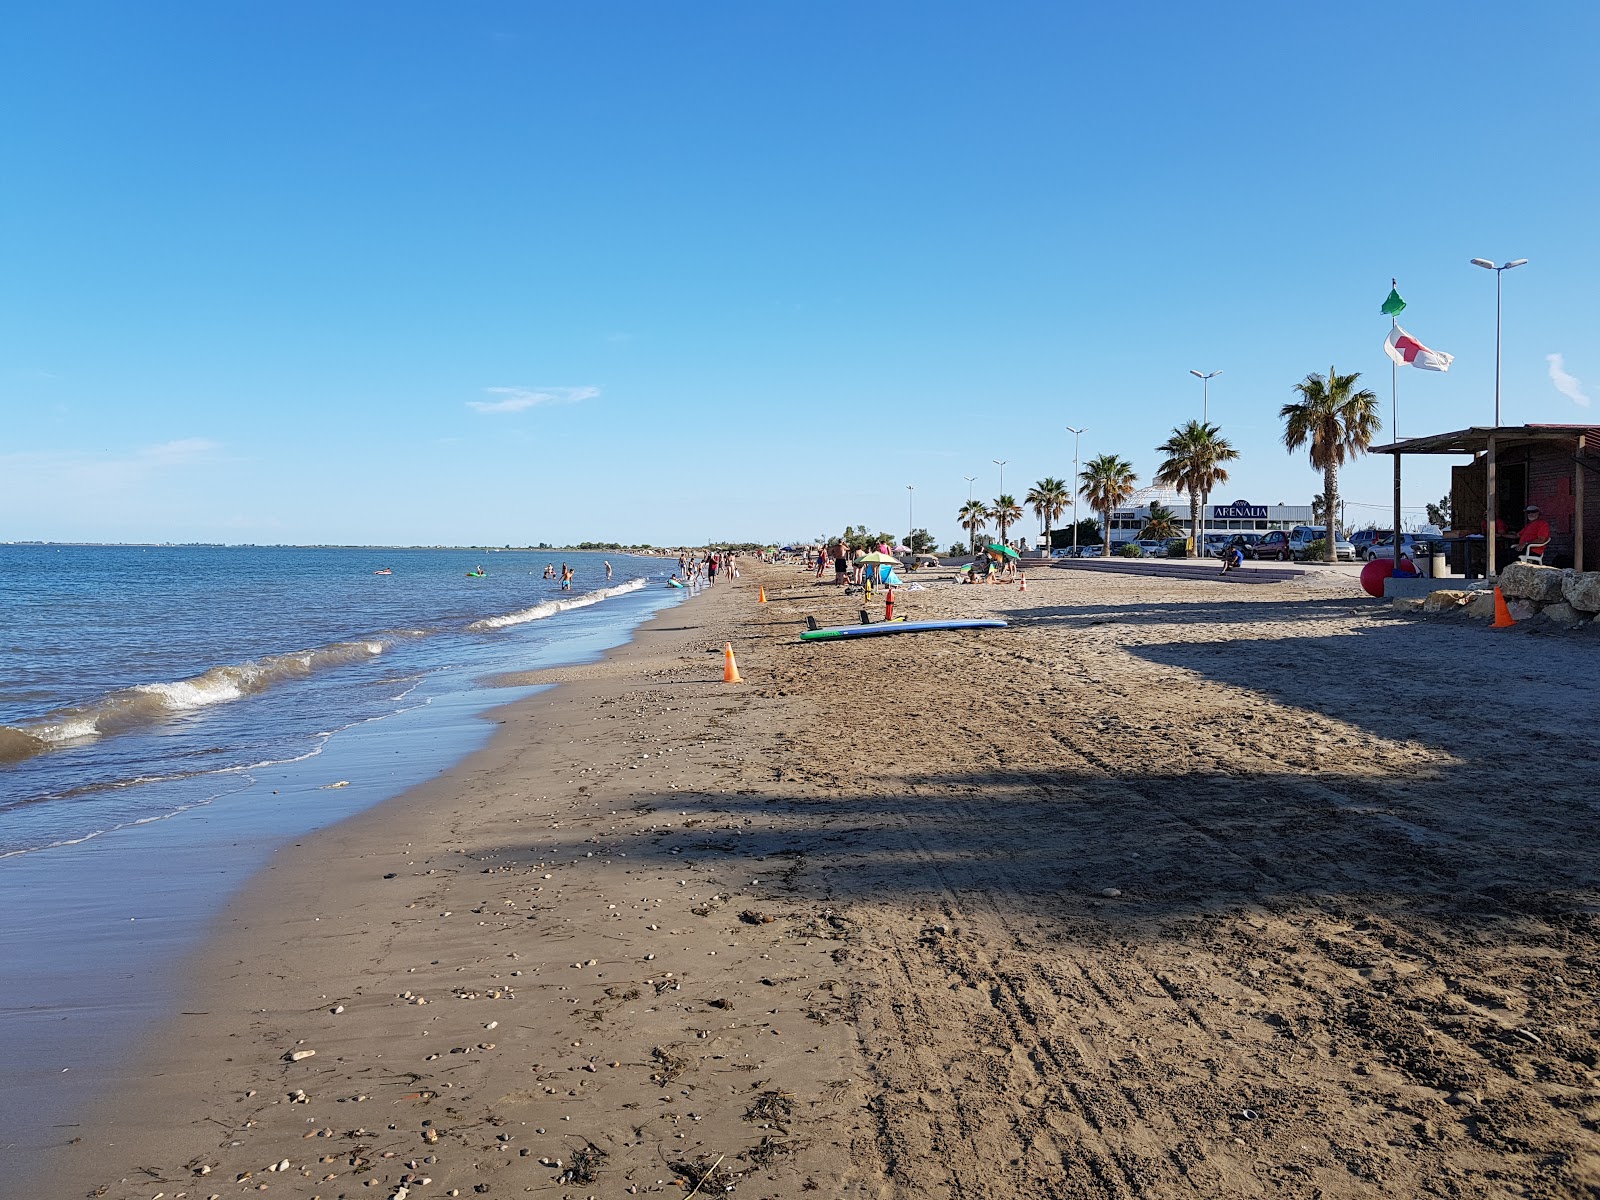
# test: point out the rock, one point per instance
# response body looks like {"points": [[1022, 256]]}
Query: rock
{"points": [[1406, 604], [1563, 614], [1111, 893], [1522, 610], [297, 1055], [1525, 581], [1482, 606], [1581, 589], [1445, 600]]}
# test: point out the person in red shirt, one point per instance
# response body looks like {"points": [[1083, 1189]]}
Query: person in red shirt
{"points": [[1535, 535]]}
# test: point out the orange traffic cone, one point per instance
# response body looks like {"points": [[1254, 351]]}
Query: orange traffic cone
{"points": [[888, 606], [1024, 580], [1502, 614], [730, 669], [761, 594]]}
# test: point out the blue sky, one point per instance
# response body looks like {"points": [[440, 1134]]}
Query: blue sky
{"points": [[490, 273]]}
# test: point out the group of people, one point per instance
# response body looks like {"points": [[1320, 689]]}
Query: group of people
{"points": [[567, 573], [703, 570]]}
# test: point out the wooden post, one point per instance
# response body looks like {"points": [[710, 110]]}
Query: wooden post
{"points": [[1577, 499], [1489, 520]]}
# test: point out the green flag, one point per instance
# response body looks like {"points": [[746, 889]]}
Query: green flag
{"points": [[1393, 306]]}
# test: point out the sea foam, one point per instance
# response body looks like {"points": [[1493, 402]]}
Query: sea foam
{"points": [[550, 608]]}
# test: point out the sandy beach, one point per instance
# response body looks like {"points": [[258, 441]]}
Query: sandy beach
{"points": [[1171, 888]]}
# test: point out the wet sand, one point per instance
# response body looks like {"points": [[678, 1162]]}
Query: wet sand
{"points": [[1171, 888]]}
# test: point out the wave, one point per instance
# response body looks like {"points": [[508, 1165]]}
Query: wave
{"points": [[147, 703], [550, 608]]}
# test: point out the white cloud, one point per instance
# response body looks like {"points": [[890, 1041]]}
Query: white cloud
{"points": [[515, 399], [100, 471], [1569, 386]]}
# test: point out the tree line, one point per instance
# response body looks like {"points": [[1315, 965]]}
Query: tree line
{"points": [[1331, 418]]}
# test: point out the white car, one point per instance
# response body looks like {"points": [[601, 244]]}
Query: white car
{"points": [[1411, 545]]}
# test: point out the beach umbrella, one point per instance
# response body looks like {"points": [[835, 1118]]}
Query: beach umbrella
{"points": [[902, 549], [875, 557], [1005, 550]]}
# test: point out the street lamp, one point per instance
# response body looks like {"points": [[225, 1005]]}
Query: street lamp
{"points": [[1076, 434], [969, 479], [1489, 266], [1001, 463], [1205, 419], [1205, 393], [911, 521]]}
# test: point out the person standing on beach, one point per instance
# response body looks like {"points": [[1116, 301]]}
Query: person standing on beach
{"points": [[711, 570], [841, 563]]}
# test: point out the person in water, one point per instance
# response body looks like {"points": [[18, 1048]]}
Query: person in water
{"points": [[566, 578], [608, 570]]}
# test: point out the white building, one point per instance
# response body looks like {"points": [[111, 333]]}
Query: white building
{"points": [[1232, 516]]}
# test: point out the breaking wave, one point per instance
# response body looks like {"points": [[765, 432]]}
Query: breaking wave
{"points": [[147, 703], [550, 608]]}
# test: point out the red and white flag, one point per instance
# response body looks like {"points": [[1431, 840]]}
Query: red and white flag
{"points": [[1408, 352]]}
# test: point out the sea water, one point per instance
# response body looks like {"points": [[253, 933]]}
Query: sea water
{"points": [[169, 716]]}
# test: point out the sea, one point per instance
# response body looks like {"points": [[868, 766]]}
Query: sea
{"points": [[170, 715]]}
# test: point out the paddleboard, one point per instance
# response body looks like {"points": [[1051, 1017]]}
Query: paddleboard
{"points": [[855, 631]]}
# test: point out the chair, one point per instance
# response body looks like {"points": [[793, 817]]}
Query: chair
{"points": [[1534, 554]]}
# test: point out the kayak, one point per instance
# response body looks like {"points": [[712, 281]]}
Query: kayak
{"points": [[475, 574], [885, 627]]}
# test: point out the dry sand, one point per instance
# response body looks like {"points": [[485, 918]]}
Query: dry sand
{"points": [[1173, 888]]}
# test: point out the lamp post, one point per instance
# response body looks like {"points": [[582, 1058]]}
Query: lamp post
{"points": [[1205, 419], [911, 521], [1205, 393], [969, 479], [1076, 434], [1498, 271], [1001, 463]]}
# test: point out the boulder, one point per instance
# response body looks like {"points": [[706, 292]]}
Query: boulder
{"points": [[1522, 610], [1482, 606], [1563, 614], [1525, 581], [1406, 604], [1445, 600], [1581, 589]]}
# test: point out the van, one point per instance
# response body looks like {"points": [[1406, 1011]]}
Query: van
{"points": [[1301, 536]]}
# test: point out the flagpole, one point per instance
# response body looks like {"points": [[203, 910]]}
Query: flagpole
{"points": [[1394, 389]]}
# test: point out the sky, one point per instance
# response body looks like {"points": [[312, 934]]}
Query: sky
{"points": [[509, 273]]}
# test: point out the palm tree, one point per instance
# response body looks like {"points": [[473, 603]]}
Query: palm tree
{"points": [[1107, 482], [1049, 498], [1338, 423], [1195, 455], [1163, 524], [974, 515], [1005, 510]]}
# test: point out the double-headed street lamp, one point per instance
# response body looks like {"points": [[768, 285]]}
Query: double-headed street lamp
{"points": [[1205, 419], [1001, 463], [1205, 393], [1076, 434], [911, 521], [1498, 271]]}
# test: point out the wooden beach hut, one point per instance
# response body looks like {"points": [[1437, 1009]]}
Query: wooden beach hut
{"points": [[1556, 467]]}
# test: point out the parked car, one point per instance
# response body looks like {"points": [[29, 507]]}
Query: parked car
{"points": [[1273, 546], [1094, 551], [1153, 547], [1301, 537], [1248, 541], [1411, 545], [1362, 538]]}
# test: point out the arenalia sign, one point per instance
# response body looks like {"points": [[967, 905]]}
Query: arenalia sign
{"points": [[1239, 510]]}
